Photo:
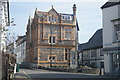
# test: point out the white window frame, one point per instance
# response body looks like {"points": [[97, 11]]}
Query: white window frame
{"points": [[66, 17]]}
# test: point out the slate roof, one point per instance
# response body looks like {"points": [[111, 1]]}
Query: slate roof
{"points": [[96, 41], [20, 39], [110, 4]]}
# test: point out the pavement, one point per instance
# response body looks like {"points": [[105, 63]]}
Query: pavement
{"points": [[38, 74], [21, 75]]}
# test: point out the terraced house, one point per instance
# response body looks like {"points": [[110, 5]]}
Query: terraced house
{"points": [[52, 39]]}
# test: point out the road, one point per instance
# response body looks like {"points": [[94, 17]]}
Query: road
{"points": [[52, 75]]}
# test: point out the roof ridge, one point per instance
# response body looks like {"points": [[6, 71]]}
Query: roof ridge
{"points": [[41, 12]]}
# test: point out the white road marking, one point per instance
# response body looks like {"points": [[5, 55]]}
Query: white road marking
{"points": [[27, 75]]}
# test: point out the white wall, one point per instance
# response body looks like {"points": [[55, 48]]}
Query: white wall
{"points": [[109, 14], [108, 28], [108, 63], [20, 51]]}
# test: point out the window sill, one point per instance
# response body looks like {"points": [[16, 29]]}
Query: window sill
{"points": [[117, 41], [68, 40], [52, 43]]}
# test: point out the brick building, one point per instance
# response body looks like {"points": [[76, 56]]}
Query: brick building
{"points": [[51, 39]]}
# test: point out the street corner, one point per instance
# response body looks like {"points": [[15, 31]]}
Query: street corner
{"points": [[20, 76]]}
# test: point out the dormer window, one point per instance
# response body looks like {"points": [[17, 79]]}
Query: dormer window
{"points": [[63, 17], [66, 17]]}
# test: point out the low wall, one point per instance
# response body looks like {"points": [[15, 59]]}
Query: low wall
{"points": [[76, 70], [61, 69], [91, 71]]}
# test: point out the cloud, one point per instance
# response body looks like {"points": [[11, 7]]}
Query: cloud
{"points": [[58, 0]]}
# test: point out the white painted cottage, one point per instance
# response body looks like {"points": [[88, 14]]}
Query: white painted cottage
{"points": [[111, 36]]}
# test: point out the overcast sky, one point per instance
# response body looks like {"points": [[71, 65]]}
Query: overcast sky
{"points": [[89, 14]]}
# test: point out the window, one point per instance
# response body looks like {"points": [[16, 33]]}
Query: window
{"points": [[63, 17], [116, 61], [67, 33], [73, 56], [50, 57], [86, 54], [93, 53], [52, 18], [101, 64], [66, 17], [65, 56], [67, 51], [49, 18], [52, 40], [117, 32], [53, 58], [101, 52]]}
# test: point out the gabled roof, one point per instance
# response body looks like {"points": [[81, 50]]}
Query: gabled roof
{"points": [[41, 13], [110, 4], [20, 39], [53, 10], [96, 41]]}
